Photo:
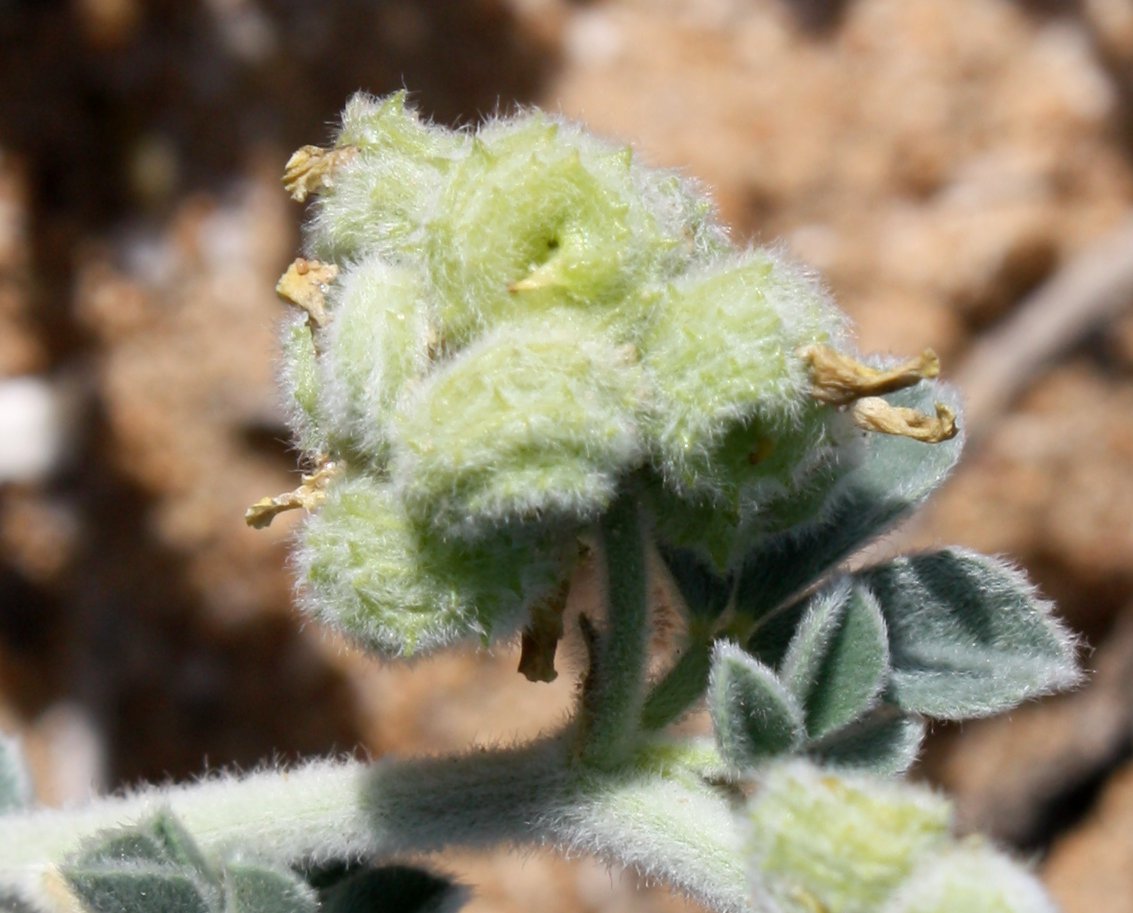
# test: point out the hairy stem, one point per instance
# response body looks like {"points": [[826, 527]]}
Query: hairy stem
{"points": [[680, 687], [616, 684], [666, 822]]}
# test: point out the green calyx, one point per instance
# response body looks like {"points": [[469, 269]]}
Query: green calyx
{"points": [[841, 843], [505, 328], [399, 589], [531, 424]]}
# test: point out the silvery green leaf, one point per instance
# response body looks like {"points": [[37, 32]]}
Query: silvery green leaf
{"points": [[705, 593], [143, 867], [894, 477], [125, 845], [142, 887], [884, 742], [755, 717], [968, 635], [838, 660], [256, 888], [181, 848], [15, 785], [160, 839], [393, 889]]}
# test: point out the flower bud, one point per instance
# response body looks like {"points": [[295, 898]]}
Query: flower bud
{"points": [[537, 421], [368, 569], [838, 843], [381, 197], [736, 437], [375, 343], [542, 215]]}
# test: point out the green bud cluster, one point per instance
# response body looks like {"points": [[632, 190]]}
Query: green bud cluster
{"points": [[844, 843], [521, 322]]}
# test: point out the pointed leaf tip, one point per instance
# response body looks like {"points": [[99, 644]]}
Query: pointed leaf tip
{"points": [[968, 634], [755, 717], [838, 660]]}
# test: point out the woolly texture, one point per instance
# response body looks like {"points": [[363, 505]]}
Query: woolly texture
{"points": [[841, 844], [299, 377], [863, 497], [541, 214], [376, 343], [838, 661], [722, 355], [537, 421], [969, 635], [518, 321], [382, 197], [971, 877], [734, 432], [398, 589]]}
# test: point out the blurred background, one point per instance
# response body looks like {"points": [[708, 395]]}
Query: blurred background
{"points": [[960, 172]]}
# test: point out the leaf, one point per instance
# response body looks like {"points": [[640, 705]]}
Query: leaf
{"points": [[150, 866], [884, 742], [838, 661], [705, 593], [894, 477], [968, 635], [754, 716], [392, 889], [178, 843], [256, 888], [160, 839], [15, 785], [137, 888]]}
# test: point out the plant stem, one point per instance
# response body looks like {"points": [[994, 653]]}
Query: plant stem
{"points": [[664, 821], [680, 687], [615, 688]]}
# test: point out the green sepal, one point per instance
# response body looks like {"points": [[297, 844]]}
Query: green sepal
{"points": [[884, 742], [375, 344], [534, 423], [251, 887], [740, 446], [754, 716], [968, 634], [892, 478], [381, 200], [838, 660], [395, 587], [15, 784], [541, 215]]}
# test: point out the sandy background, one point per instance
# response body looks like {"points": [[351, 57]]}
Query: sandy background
{"points": [[961, 171]]}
